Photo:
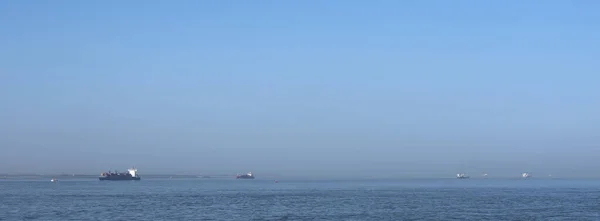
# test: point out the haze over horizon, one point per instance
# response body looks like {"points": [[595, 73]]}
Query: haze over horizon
{"points": [[307, 88]]}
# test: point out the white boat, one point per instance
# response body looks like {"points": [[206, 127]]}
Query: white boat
{"points": [[53, 180], [462, 176], [525, 175]]}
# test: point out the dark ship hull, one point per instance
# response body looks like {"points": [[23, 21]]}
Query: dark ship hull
{"points": [[118, 178]]}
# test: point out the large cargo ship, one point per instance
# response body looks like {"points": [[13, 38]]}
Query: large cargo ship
{"points": [[130, 175], [245, 176]]}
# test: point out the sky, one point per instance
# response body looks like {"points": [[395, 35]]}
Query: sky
{"points": [[301, 88]]}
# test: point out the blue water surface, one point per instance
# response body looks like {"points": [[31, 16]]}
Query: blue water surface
{"points": [[230, 199]]}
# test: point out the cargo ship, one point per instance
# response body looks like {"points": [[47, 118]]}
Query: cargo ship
{"points": [[130, 175], [245, 176]]}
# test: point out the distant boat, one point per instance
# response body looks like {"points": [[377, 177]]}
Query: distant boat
{"points": [[245, 176], [462, 176], [485, 175], [130, 175], [53, 180], [525, 175]]}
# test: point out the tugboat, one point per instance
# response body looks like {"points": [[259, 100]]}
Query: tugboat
{"points": [[245, 176], [131, 175], [461, 176]]}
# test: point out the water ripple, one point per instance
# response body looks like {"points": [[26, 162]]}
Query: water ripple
{"points": [[263, 200]]}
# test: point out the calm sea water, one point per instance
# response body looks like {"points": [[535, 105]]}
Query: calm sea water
{"points": [[206, 199]]}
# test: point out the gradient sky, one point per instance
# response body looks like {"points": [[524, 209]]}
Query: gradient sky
{"points": [[307, 88]]}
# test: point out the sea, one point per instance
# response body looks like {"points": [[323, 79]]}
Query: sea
{"points": [[231, 199]]}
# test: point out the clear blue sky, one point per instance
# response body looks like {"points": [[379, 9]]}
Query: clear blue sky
{"points": [[314, 88]]}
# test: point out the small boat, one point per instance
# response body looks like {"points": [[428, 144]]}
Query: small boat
{"points": [[53, 180], [249, 175], [525, 175], [461, 176]]}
